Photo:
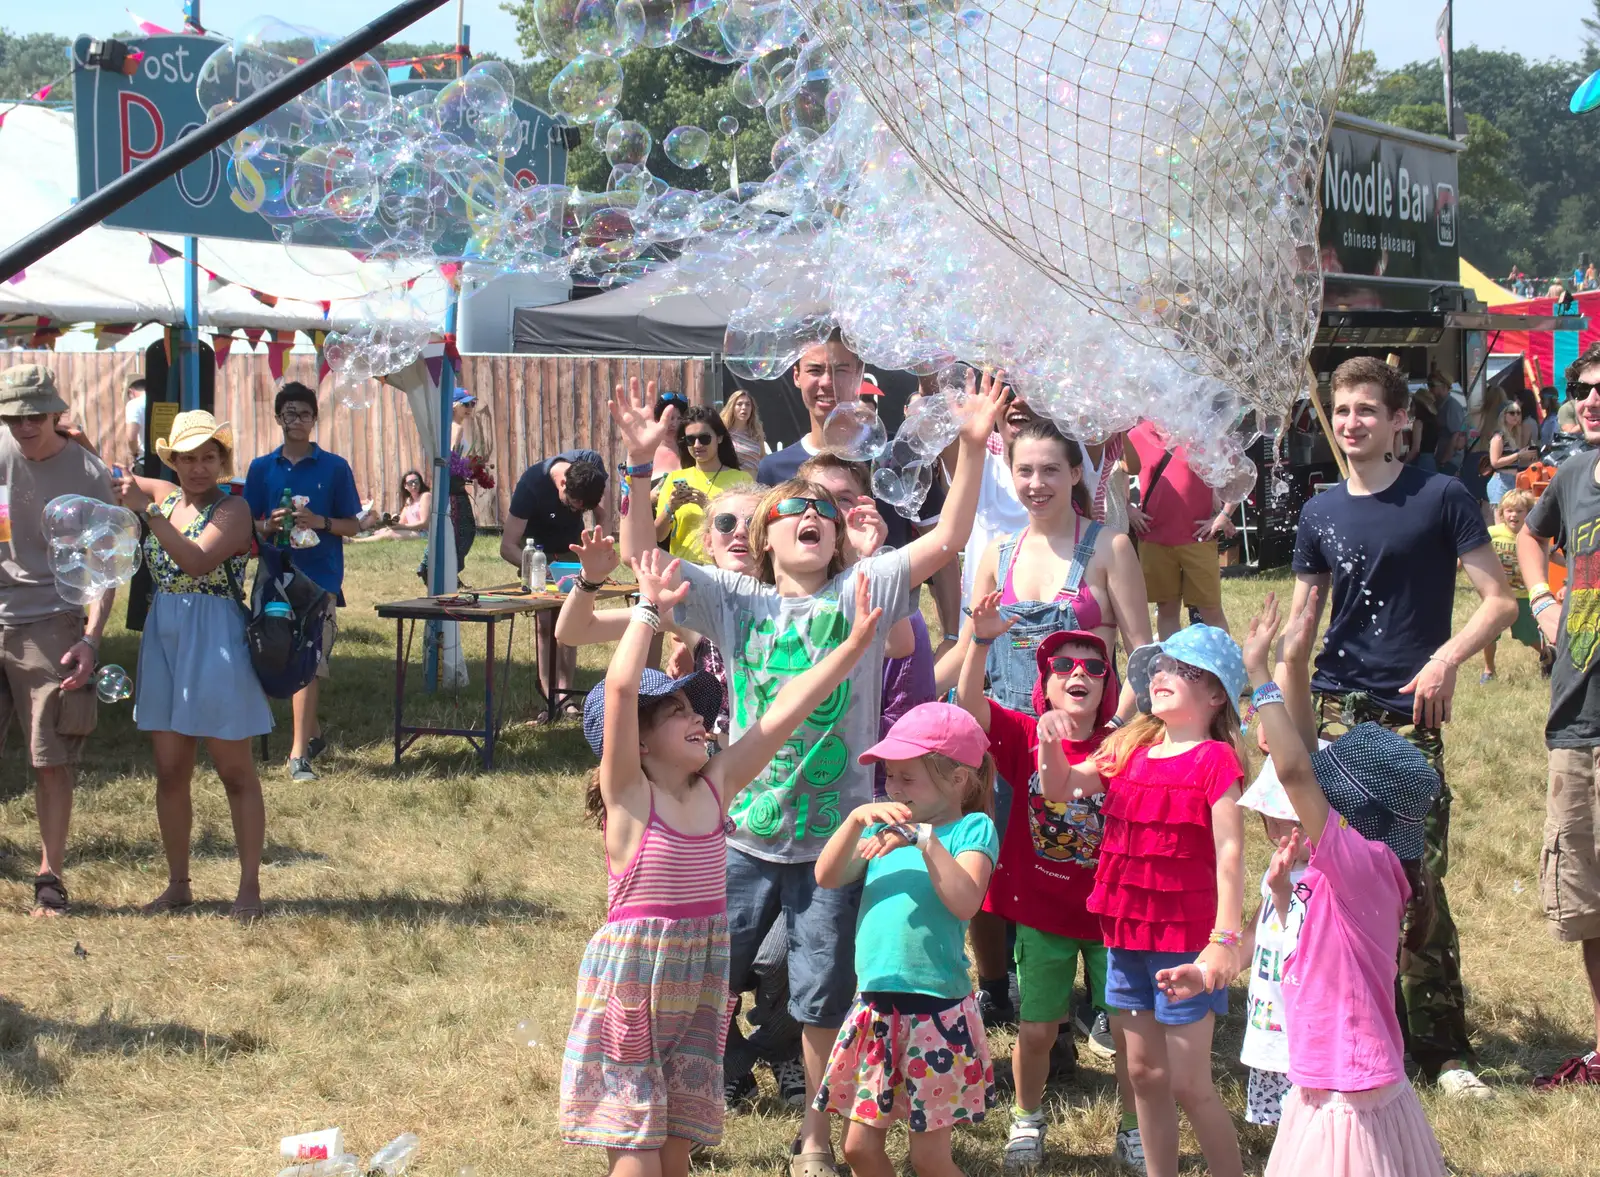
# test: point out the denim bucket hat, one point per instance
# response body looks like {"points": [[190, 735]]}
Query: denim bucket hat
{"points": [[1381, 785], [1204, 646], [702, 688]]}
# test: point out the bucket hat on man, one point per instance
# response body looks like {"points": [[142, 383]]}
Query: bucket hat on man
{"points": [[29, 390]]}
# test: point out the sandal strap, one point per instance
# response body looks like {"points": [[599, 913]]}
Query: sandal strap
{"points": [[50, 892]]}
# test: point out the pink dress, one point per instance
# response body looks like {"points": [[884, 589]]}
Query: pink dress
{"points": [[644, 1055]]}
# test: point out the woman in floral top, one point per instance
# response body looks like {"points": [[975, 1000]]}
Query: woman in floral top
{"points": [[195, 680]]}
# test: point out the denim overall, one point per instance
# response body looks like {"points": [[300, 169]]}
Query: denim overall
{"points": [[1012, 665]]}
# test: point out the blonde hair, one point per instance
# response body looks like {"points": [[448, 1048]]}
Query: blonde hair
{"points": [[753, 490], [754, 431], [1519, 498], [978, 796], [795, 488], [1146, 730]]}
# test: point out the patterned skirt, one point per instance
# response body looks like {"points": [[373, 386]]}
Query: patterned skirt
{"points": [[931, 1070], [644, 1056]]}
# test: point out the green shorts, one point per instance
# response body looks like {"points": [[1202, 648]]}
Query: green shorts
{"points": [[1525, 629], [1047, 967]]}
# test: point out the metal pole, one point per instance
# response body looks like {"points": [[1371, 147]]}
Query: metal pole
{"points": [[447, 389], [93, 209], [189, 346]]}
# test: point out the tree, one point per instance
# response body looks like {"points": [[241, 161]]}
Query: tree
{"points": [[28, 61]]}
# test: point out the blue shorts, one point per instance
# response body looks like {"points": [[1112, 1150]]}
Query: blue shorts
{"points": [[1131, 985], [822, 934]]}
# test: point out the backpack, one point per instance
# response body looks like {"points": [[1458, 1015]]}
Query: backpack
{"points": [[284, 627]]}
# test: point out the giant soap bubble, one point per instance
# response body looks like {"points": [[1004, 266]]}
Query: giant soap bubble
{"points": [[94, 546]]}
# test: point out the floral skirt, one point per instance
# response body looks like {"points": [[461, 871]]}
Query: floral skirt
{"points": [[644, 1056], [932, 1070]]}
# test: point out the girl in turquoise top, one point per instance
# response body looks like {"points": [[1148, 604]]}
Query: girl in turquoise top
{"points": [[194, 680], [912, 1046]]}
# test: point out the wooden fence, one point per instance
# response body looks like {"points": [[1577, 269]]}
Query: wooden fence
{"points": [[535, 406]]}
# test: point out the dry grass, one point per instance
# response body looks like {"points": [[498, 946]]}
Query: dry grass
{"points": [[417, 912]]}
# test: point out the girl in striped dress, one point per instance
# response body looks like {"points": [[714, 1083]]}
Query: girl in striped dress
{"points": [[642, 1073]]}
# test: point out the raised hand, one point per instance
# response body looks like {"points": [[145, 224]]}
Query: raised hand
{"points": [[865, 529], [1283, 862], [597, 554], [658, 579], [866, 620], [989, 399], [987, 621], [1257, 645], [634, 413], [1054, 727], [1301, 633]]}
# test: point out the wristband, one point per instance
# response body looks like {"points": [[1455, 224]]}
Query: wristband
{"points": [[587, 586], [629, 473], [1265, 695], [1546, 603], [1115, 722], [1540, 590], [1224, 937], [977, 641], [648, 614], [92, 643], [1446, 661], [952, 637]]}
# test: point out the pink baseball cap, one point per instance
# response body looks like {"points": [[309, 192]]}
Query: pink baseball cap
{"points": [[932, 727]]}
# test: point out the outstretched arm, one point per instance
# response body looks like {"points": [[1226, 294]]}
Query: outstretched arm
{"points": [[1060, 781], [642, 434], [739, 764], [1433, 689], [986, 626], [1291, 758]]}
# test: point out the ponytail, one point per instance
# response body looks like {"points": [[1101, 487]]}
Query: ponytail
{"points": [[978, 794]]}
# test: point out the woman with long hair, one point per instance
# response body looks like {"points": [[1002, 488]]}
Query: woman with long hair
{"points": [[744, 423], [469, 438], [195, 681], [708, 465], [416, 510], [1509, 451]]}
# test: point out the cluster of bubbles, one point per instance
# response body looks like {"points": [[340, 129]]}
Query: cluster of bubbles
{"points": [[1114, 200], [94, 546], [112, 684]]}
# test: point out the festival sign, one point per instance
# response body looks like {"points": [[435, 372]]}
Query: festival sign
{"points": [[123, 121], [1389, 204]]}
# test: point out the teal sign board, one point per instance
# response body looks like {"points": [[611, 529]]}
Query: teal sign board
{"points": [[123, 121]]}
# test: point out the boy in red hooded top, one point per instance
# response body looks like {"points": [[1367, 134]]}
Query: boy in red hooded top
{"points": [[1047, 861]]}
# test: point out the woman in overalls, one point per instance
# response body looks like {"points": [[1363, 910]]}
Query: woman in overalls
{"points": [[1063, 571]]}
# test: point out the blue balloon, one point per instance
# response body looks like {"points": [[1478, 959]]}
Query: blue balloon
{"points": [[1586, 96]]}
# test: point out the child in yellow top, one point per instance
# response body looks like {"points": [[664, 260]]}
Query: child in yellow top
{"points": [[1509, 514]]}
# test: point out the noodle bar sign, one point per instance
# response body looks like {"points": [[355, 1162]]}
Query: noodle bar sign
{"points": [[1389, 203]]}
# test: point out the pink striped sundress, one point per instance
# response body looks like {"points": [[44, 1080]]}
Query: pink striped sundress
{"points": [[644, 1055]]}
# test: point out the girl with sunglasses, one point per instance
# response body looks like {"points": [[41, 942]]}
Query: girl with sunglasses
{"points": [[1509, 452], [1048, 852], [708, 465], [1169, 885], [773, 626]]}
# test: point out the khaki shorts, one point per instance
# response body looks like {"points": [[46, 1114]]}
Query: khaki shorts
{"points": [[54, 722], [1189, 572], [1569, 866], [330, 634]]}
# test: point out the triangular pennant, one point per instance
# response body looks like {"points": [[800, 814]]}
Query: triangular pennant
{"points": [[221, 345], [148, 27], [160, 253], [326, 307], [270, 300], [253, 334], [43, 92], [214, 283], [108, 335], [276, 350], [319, 338], [20, 274], [44, 339]]}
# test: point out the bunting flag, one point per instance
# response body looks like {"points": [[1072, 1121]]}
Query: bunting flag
{"points": [[267, 300], [220, 346], [326, 307], [214, 283], [44, 339], [108, 335], [253, 334], [453, 355], [148, 27], [20, 274], [160, 253], [276, 351], [451, 272], [43, 91], [319, 340]]}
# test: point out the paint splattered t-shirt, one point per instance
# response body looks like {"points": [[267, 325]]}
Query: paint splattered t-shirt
{"points": [[1392, 557], [798, 801], [1569, 513]]}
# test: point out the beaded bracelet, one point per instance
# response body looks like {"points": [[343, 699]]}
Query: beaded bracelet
{"points": [[629, 473], [647, 613], [1224, 937], [587, 586]]}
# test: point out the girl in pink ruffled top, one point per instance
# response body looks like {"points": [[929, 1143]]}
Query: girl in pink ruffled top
{"points": [[1169, 887]]}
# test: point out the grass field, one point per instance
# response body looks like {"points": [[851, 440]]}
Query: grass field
{"points": [[416, 913]]}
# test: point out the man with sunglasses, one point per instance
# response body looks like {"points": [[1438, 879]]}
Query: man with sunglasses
{"points": [[1382, 547], [332, 510], [1569, 868], [47, 648]]}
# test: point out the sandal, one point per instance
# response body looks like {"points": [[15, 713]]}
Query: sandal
{"points": [[49, 896], [249, 914], [812, 1164], [164, 903]]}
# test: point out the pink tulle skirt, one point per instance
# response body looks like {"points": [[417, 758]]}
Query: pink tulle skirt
{"points": [[1379, 1133]]}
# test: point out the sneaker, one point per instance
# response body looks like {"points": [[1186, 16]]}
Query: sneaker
{"points": [[1486, 677], [1064, 1056], [315, 747], [1129, 1150], [1025, 1145], [1578, 1070], [995, 1012], [1463, 1084], [300, 769], [739, 1092], [1096, 1032], [790, 1076]]}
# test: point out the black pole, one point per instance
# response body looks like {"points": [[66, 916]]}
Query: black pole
{"points": [[93, 209]]}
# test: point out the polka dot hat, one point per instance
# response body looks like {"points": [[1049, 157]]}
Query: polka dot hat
{"points": [[1380, 784], [1204, 646], [702, 688]]}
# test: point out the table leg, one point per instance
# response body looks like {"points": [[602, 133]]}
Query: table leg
{"points": [[488, 698], [399, 683], [547, 667]]}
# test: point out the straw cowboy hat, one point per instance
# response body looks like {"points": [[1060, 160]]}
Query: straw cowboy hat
{"points": [[192, 430]]}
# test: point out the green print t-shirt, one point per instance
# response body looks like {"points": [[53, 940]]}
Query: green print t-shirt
{"points": [[1569, 513], [793, 807]]}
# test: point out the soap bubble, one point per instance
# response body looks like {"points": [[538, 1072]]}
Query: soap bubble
{"points": [[752, 84], [530, 1032], [728, 125], [586, 87], [628, 142], [686, 147], [854, 432], [93, 546], [112, 684]]}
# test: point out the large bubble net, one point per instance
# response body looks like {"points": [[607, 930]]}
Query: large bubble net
{"points": [[1114, 200], [93, 546]]}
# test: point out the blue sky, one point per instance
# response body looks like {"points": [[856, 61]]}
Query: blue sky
{"points": [[1397, 30]]}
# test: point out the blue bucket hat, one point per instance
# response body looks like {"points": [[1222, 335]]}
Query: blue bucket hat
{"points": [[1204, 646], [702, 688], [1380, 784]]}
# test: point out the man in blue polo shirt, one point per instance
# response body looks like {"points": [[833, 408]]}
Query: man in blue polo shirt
{"points": [[326, 481]]}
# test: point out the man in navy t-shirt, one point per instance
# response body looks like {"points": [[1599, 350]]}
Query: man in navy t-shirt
{"points": [[1383, 547], [332, 510]]}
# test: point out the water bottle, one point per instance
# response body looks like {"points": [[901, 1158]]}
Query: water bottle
{"points": [[535, 567], [286, 503], [395, 1157]]}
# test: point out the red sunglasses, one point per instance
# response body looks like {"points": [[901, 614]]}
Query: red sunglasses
{"points": [[1065, 664]]}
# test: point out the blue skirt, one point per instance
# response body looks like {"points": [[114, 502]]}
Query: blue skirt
{"points": [[195, 676]]}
